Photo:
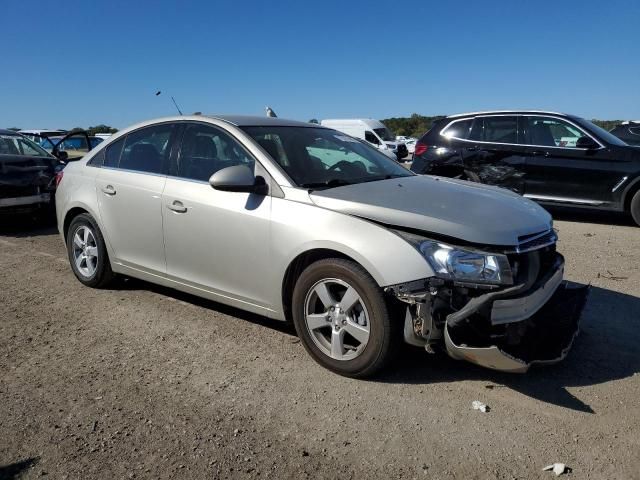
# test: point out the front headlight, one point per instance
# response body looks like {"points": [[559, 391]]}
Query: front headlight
{"points": [[460, 264]]}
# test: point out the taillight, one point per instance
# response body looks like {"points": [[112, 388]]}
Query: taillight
{"points": [[420, 148], [59, 176]]}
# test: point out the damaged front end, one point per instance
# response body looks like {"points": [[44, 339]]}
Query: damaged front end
{"points": [[509, 328]]}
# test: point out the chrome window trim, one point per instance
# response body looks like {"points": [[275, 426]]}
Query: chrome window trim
{"points": [[139, 172], [533, 114], [506, 112]]}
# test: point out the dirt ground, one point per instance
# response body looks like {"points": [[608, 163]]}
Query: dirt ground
{"points": [[144, 382]]}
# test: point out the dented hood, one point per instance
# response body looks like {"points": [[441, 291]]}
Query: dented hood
{"points": [[468, 211]]}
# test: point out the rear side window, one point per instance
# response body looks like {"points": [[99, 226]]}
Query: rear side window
{"points": [[459, 129], [112, 153], [147, 150], [498, 129]]}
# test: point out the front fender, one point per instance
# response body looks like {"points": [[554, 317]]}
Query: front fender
{"points": [[297, 228]]}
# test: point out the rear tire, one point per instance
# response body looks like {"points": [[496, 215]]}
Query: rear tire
{"points": [[87, 252], [342, 318], [635, 208]]}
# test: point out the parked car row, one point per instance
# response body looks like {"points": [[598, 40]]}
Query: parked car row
{"points": [[552, 158], [303, 223]]}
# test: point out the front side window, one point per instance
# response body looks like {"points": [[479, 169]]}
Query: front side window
{"points": [[147, 149], [552, 132], [384, 134], [21, 146], [206, 149], [371, 138], [324, 158]]}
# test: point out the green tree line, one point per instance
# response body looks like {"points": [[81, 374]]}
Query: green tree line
{"points": [[416, 125]]}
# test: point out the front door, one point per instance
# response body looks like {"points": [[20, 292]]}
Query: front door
{"points": [[216, 240], [558, 171], [129, 189]]}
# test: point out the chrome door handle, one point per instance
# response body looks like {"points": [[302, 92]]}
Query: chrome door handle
{"points": [[177, 206], [108, 190]]}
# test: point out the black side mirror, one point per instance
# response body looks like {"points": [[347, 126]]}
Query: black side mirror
{"points": [[238, 178], [587, 142]]}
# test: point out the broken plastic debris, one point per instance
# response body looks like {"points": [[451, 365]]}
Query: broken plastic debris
{"points": [[477, 405], [558, 468]]}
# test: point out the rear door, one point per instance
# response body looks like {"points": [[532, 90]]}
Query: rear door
{"points": [[492, 153], [558, 171], [129, 190]]}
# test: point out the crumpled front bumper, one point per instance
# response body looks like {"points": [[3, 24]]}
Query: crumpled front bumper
{"points": [[532, 322], [549, 335], [546, 320]]}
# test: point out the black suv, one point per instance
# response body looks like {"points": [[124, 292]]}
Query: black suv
{"points": [[628, 132], [552, 158]]}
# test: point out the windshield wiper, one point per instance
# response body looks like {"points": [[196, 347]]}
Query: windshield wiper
{"points": [[334, 182]]}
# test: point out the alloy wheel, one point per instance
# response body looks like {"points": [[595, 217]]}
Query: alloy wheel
{"points": [[337, 319]]}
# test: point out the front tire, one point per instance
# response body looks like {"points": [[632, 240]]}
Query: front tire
{"points": [[87, 252], [342, 318], [635, 208]]}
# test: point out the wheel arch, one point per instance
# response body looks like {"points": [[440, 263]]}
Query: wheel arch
{"points": [[68, 218], [297, 266], [629, 192]]}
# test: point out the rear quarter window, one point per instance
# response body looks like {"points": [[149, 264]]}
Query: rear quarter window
{"points": [[113, 152], [459, 129]]}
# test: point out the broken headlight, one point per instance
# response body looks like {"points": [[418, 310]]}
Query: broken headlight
{"points": [[461, 264]]}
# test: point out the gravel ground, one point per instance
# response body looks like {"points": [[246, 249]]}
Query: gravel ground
{"points": [[144, 382]]}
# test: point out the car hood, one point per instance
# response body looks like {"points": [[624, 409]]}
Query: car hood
{"points": [[463, 210]]}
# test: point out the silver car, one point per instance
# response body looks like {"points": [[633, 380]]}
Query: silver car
{"points": [[302, 223]]}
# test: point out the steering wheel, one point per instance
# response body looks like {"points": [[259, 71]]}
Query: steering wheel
{"points": [[340, 164]]}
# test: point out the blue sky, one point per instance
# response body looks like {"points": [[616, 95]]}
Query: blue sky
{"points": [[77, 63]]}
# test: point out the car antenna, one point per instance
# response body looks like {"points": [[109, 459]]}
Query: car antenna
{"points": [[173, 100]]}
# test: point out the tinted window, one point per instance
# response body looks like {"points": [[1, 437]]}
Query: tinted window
{"points": [[500, 129], [98, 159], [552, 132], [147, 149], [206, 149], [371, 138], [459, 129], [18, 145], [112, 154]]}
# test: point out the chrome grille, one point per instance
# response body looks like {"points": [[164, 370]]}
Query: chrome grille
{"points": [[535, 241]]}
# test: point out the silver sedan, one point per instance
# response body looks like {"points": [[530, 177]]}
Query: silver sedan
{"points": [[305, 224]]}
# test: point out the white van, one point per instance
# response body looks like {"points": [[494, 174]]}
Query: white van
{"points": [[373, 131]]}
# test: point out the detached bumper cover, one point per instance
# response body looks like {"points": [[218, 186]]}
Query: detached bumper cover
{"points": [[548, 337]]}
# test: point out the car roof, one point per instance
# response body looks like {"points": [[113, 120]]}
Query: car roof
{"points": [[7, 132], [499, 112], [258, 121]]}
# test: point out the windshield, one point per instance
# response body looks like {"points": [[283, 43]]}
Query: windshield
{"points": [[601, 132], [384, 134], [21, 146], [324, 158]]}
